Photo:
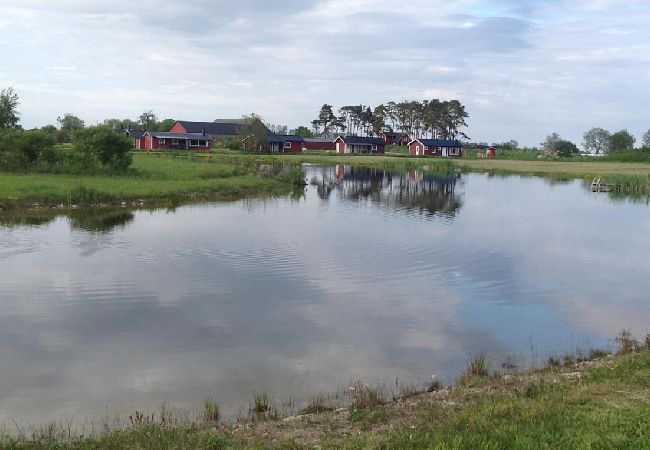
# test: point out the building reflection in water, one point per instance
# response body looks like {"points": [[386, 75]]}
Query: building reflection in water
{"points": [[412, 192]]}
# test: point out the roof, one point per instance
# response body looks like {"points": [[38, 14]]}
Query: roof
{"points": [[285, 138], [319, 140], [168, 135], [361, 140], [135, 134], [439, 142], [220, 127]]}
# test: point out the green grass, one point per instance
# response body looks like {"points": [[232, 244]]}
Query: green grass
{"points": [[153, 177]]}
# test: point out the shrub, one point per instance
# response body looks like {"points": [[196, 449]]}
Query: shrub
{"points": [[111, 149]]}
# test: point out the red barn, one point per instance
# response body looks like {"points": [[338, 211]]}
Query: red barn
{"points": [[318, 144], [435, 147], [359, 144], [158, 140], [218, 129]]}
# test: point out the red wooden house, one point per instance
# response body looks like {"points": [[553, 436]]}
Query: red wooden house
{"points": [[314, 144], [359, 144], [435, 147], [137, 136], [158, 140], [284, 143]]}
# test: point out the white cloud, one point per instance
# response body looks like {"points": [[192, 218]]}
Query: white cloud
{"points": [[567, 65]]}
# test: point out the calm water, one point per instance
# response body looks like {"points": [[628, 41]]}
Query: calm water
{"points": [[369, 275]]}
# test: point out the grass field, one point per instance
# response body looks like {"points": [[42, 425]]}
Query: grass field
{"points": [[154, 177], [601, 401], [580, 169]]}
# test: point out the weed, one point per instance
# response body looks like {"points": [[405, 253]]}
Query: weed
{"points": [[435, 384], [478, 367], [262, 408], [627, 343], [211, 410], [364, 396], [317, 405]]}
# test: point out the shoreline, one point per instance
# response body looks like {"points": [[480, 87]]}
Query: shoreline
{"points": [[515, 406]]}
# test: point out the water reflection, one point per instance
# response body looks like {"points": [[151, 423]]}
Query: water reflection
{"points": [[413, 192], [94, 220], [122, 310]]}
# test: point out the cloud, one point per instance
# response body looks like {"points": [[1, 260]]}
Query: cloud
{"points": [[513, 64]]}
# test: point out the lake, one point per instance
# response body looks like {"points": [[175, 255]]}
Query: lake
{"points": [[368, 275]]}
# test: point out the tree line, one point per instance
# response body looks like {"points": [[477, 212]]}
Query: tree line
{"points": [[418, 119], [95, 149], [597, 141]]}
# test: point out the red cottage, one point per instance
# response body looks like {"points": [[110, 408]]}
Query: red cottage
{"points": [[315, 144], [358, 144], [435, 147], [137, 136], [158, 140], [285, 144], [392, 138]]}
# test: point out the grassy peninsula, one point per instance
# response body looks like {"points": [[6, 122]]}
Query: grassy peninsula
{"points": [[601, 400]]}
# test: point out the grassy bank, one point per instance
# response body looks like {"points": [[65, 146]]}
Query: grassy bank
{"points": [[598, 401], [153, 178]]}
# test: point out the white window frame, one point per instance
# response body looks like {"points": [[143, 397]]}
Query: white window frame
{"points": [[286, 145], [373, 148], [453, 151], [161, 141], [174, 141]]}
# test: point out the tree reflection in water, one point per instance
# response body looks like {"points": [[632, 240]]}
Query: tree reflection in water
{"points": [[413, 192]]}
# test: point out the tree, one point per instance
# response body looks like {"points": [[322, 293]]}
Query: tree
{"points": [[621, 140], [166, 124], [68, 124], [9, 116], [303, 131], [548, 146], [326, 119], [565, 149], [596, 141], [645, 143], [509, 145], [256, 134], [148, 120]]}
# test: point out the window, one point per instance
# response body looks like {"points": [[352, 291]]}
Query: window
{"points": [[454, 151], [174, 141], [374, 148], [194, 143], [161, 141], [287, 144], [197, 143]]}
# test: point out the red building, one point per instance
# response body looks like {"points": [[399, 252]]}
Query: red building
{"points": [[284, 144], [218, 129], [158, 140], [359, 144], [138, 138], [392, 138], [315, 144], [435, 147]]}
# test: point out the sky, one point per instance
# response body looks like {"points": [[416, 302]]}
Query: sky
{"points": [[523, 69]]}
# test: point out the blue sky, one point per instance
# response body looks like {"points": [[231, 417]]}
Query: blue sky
{"points": [[524, 69]]}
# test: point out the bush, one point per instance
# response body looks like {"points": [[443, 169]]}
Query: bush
{"points": [[111, 149], [24, 151]]}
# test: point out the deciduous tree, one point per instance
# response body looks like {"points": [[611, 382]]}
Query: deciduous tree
{"points": [[646, 139], [621, 140], [148, 120], [596, 141], [566, 149], [9, 115], [68, 124]]}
